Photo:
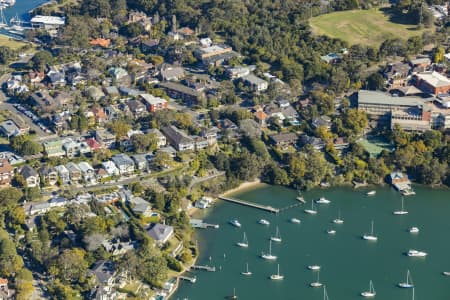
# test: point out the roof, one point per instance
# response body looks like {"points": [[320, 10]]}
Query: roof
{"points": [[61, 169], [10, 128], [176, 135], [160, 232], [28, 171], [72, 167], [254, 79], [49, 20], [284, 137], [122, 159], [375, 97], [260, 115], [93, 144], [5, 166], [179, 88], [152, 100], [100, 42], [103, 270], [85, 167], [434, 79]]}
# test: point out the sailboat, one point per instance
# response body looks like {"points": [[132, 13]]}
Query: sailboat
{"points": [[400, 212], [269, 255], [244, 243], [325, 295], [316, 283], [246, 272], [234, 295], [277, 276], [408, 283], [2, 18], [311, 211], [338, 220], [371, 292], [323, 200], [370, 237], [413, 294], [277, 237]]}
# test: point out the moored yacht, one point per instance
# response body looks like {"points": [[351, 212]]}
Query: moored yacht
{"points": [[263, 222], [277, 276], [371, 193], [295, 221], [314, 267], [371, 292], [414, 230], [269, 255], [402, 211], [371, 236], [244, 243], [323, 200], [408, 283], [311, 211], [235, 223], [415, 253], [316, 283], [277, 237]]}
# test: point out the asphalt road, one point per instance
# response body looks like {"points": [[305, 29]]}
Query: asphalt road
{"points": [[9, 107]]}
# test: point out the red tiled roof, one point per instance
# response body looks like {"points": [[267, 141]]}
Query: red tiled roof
{"points": [[3, 281], [93, 144], [5, 167], [260, 115]]}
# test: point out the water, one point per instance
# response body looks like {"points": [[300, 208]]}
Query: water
{"points": [[22, 8], [348, 262]]}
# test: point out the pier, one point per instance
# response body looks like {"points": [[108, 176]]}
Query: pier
{"points": [[204, 268], [190, 279], [197, 223], [250, 204]]}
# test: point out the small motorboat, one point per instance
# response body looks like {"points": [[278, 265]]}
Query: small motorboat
{"points": [[264, 222], [235, 223], [295, 221]]}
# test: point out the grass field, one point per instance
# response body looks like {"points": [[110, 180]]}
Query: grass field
{"points": [[11, 43], [367, 27]]}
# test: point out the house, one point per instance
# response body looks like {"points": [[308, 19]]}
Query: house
{"points": [[316, 143], [110, 168], [9, 129], [105, 272], [124, 163], [54, 148], [58, 202], [178, 139], [56, 78], [161, 233], [108, 198], [153, 103], [118, 73], [140, 160], [140, 206], [39, 208], [340, 143], [63, 174], [30, 175], [49, 175], [105, 138], [112, 92], [73, 148], [331, 58], [203, 203], [5, 293], [93, 144], [322, 121], [136, 107], [171, 73], [178, 91], [400, 181], [432, 82], [261, 117], [149, 45], [256, 84], [162, 141], [239, 71], [94, 93], [74, 172], [200, 142], [99, 114], [284, 140], [104, 43], [6, 172], [397, 74], [87, 171], [210, 134]]}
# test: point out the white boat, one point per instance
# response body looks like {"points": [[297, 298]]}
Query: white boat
{"points": [[300, 198], [311, 211], [371, 193], [235, 223], [234, 297], [446, 273], [246, 272], [316, 283], [269, 255], [244, 243], [295, 221], [371, 292], [263, 222], [323, 200], [331, 231], [338, 220], [400, 212], [314, 267], [408, 283], [371, 236], [414, 230], [415, 253], [277, 237], [277, 276]]}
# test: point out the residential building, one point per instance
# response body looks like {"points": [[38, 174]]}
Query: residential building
{"points": [[108, 198], [397, 74], [200, 142], [140, 206], [87, 171], [331, 58], [178, 91], [284, 140], [6, 172], [261, 118], [140, 160], [171, 73], [105, 272], [49, 175], [178, 138], [215, 55], [162, 141], [118, 73], [74, 148], [316, 143], [239, 72], [210, 134], [322, 121], [153, 103], [54, 148], [47, 22], [63, 174], [5, 293], [257, 84], [124, 163], [432, 82], [30, 175], [93, 144], [161, 233], [74, 172], [110, 168], [105, 138], [136, 107], [9, 129]]}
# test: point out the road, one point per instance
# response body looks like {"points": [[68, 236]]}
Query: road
{"points": [[17, 114]]}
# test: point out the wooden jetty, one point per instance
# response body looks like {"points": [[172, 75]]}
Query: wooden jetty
{"points": [[250, 204], [190, 279], [204, 268], [197, 223]]}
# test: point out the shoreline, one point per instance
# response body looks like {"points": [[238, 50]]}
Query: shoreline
{"points": [[244, 186]]}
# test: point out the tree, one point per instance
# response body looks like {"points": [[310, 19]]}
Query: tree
{"points": [[93, 241], [72, 265], [375, 81], [438, 54], [24, 284], [6, 54], [162, 160], [96, 8], [10, 262], [120, 128], [144, 142], [41, 59], [24, 145]]}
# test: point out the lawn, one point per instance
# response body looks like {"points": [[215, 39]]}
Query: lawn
{"points": [[367, 27], [11, 43], [374, 146]]}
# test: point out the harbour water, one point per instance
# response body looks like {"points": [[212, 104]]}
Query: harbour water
{"points": [[348, 262], [22, 9]]}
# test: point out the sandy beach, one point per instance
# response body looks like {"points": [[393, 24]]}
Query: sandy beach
{"points": [[244, 186]]}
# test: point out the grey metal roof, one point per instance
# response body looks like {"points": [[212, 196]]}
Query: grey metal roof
{"points": [[375, 97]]}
